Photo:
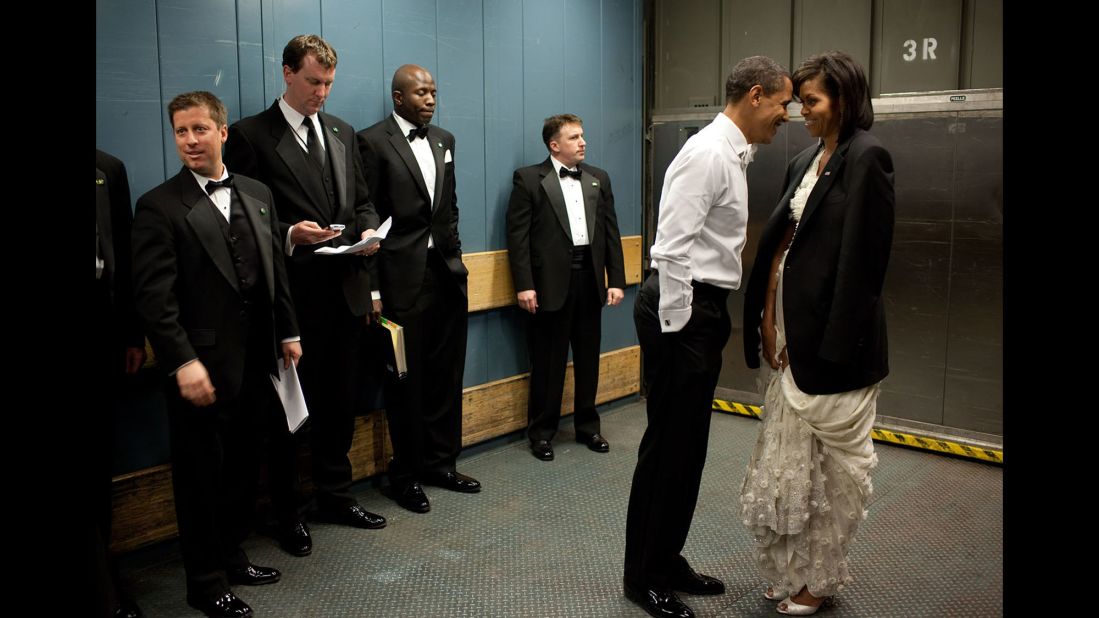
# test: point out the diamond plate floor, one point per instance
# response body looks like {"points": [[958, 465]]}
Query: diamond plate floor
{"points": [[545, 540]]}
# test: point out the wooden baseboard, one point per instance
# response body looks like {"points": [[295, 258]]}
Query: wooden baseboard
{"points": [[144, 508]]}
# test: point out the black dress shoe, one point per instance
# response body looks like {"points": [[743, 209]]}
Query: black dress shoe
{"points": [[127, 609], [542, 450], [411, 497], [595, 442], [227, 605], [295, 539], [659, 602], [692, 582], [252, 575], [354, 516], [454, 481]]}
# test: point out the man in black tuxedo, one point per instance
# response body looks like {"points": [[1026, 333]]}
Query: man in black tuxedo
{"points": [[119, 347], [410, 168], [310, 161], [564, 249], [210, 287]]}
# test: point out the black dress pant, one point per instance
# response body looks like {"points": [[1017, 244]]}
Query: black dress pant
{"points": [[215, 470], [680, 371], [578, 322], [424, 409], [330, 338]]}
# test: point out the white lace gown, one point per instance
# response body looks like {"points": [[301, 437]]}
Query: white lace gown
{"points": [[808, 482]]}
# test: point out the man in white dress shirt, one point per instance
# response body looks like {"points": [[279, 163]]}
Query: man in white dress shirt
{"points": [[683, 324]]}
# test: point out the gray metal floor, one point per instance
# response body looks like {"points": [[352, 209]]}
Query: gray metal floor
{"points": [[545, 539]]}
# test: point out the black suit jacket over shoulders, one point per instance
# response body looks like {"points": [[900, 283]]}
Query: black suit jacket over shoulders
{"points": [[834, 272]]}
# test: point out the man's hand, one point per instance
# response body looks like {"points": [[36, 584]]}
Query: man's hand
{"points": [[135, 357], [291, 351], [372, 249], [615, 296], [194, 384], [309, 233], [375, 313], [528, 301]]}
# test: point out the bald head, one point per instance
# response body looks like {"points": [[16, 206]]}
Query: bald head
{"points": [[414, 94]]}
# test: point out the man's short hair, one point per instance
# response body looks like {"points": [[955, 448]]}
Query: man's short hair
{"points": [[199, 98], [304, 44], [751, 71], [552, 126]]}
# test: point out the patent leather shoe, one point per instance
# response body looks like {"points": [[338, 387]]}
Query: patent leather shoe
{"points": [[454, 481], [294, 539], [252, 575], [127, 609], [692, 582], [542, 450], [658, 602], [595, 442], [227, 605], [353, 515], [411, 497]]}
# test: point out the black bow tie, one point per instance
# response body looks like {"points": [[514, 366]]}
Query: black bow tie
{"points": [[417, 132], [213, 185], [565, 173]]}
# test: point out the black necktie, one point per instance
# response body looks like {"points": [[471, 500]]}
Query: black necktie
{"points": [[417, 132], [213, 185], [313, 142], [566, 173]]}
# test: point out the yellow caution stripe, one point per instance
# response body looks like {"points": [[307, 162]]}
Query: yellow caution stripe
{"points": [[733, 407], [926, 443]]}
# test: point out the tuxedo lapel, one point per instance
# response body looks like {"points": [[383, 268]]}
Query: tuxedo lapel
{"points": [[590, 186], [261, 228], [202, 219], [400, 144], [338, 152], [296, 161], [552, 186], [824, 183], [439, 152], [103, 220]]}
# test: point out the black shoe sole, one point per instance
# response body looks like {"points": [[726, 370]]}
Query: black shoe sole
{"points": [[299, 553]]}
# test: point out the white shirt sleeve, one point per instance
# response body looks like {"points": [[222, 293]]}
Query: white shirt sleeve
{"points": [[688, 196]]}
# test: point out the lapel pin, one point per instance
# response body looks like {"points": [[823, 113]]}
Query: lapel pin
{"points": [[99, 181], [262, 211], [594, 183], [827, 173], [335, 129], [440, 144]]}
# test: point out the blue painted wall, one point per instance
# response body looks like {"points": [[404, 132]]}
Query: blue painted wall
{"points": [[501, 67]]}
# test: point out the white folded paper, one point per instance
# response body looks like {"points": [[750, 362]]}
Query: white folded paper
{"points": [[378, 236]]}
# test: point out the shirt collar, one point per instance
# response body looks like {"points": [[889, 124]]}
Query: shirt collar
{"points": [[557, 165], [201, 180], [744, 151], [295, 118], [405, 125]]}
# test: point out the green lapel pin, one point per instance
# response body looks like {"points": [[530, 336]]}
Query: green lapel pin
{"points": [[335, 129], [100, 181], [262, 211], [440, 144], [594, 183]]}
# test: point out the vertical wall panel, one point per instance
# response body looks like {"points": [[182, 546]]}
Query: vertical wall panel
{"points": [[198, 51], [505, 129], [409, 36], [129, 119], [250, 62], [688, 53], [752, 28], [544, 74], [360, 93], [822, 25], [621, 86], [583, 75], [282, 21], [921, 45], [461, 83]]}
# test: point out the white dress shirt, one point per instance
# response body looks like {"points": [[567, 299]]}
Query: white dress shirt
{"points": [[703, 217], [421, 148], [574, 203]]}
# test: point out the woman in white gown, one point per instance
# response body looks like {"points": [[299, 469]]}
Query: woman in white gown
{"points": [[814, 302]]}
